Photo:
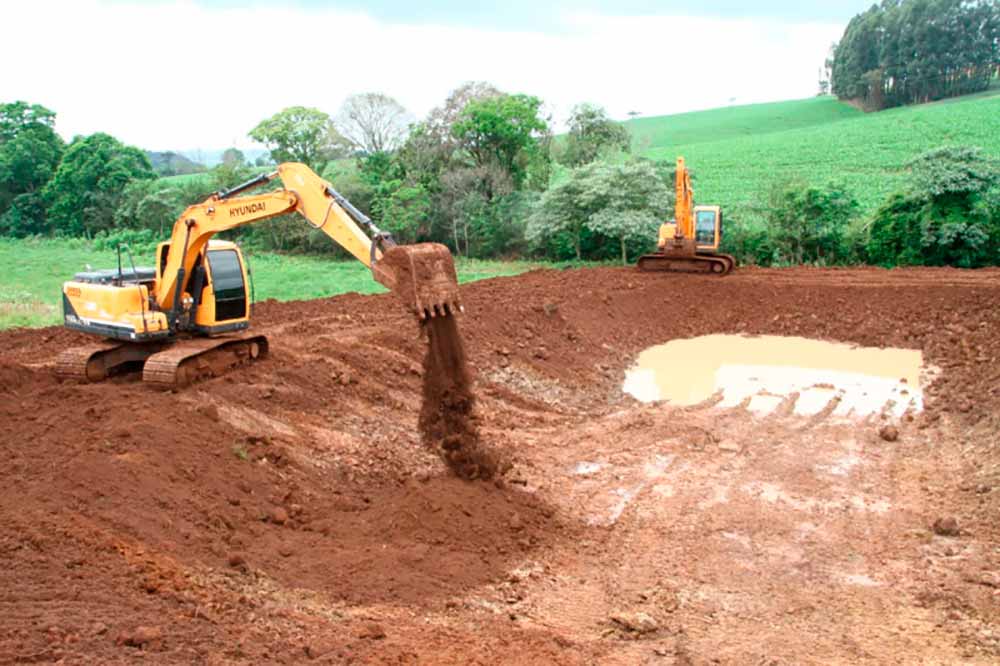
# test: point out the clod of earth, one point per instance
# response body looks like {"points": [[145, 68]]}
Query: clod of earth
{"points": [[140, 637], [278, 516], [947, 526], [638, 623], [889, 433]]}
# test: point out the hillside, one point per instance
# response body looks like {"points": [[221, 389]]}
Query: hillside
{"points": [[172, 164], [736, 153], [733, 122], [212, 157]]}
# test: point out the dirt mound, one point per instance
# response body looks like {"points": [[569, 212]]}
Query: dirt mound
{"points": [[14, 377], [447, 422]]}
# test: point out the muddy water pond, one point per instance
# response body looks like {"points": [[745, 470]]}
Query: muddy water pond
{"points": [[762, 372]]}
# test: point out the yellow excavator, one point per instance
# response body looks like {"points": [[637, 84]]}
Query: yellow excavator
{"points": [[186, 318], [690, 242]]}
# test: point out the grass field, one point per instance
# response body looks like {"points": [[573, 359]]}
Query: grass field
{"points": [[205, 177], [186, 178], [34, 270], [737, 153]]}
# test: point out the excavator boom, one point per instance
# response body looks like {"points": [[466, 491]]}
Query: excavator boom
{"points": [[425, 272]]}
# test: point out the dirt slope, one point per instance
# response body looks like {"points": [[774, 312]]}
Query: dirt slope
{"points": [[290, 513]]}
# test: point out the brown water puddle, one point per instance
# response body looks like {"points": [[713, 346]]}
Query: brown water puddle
{"points": [[768, 369]]}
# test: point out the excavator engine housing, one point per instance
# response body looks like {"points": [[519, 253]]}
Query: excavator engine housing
{"points": [[117, 304]]}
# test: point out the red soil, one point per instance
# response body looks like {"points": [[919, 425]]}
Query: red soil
{"points": [[289, 511]]}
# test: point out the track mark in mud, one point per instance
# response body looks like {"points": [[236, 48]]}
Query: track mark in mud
{"points": [[447, 424]]}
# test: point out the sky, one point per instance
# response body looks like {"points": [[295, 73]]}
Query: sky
{"points": [[200, 74]]}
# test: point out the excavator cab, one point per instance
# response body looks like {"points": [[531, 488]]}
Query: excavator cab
{"points": [[217, 296], [708, 227]]}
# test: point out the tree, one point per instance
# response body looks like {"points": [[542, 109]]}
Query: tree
{"points": [[467, 195], [908, 51], [620, 202], [561, 211], [432, 157], [629, 201], [301, 134], [24, 217], [826, 71], [593, 134], [86, 188], [441, 119], [948, 215], [808, 223], [233, 157], [405, 212], [30, 151], [373, 122], [18, 116], [505, 131], [150, 204], [955, 172]]}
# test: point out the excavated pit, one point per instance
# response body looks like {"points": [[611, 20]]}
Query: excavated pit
{"points": [[298, 509]]}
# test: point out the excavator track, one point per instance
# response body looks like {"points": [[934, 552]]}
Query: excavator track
{"points": [[97, 361], [712, 264], [188, 361]]}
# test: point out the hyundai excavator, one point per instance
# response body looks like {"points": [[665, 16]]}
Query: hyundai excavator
{"points": [[187, 317], [689, 243]]}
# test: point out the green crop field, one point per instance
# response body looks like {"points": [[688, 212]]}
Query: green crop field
{"points": [[737, 153], [736, 121], [185, 178], [34, 270], [205, 177]]}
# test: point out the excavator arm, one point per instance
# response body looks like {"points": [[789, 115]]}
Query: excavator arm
{"points": [[682, 226], [422, 275]]}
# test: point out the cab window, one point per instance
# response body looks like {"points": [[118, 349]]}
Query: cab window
{"points": [[227, 283], [704, 227]]}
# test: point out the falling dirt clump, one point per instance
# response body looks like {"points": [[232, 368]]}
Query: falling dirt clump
{"points": [[447, 423]]}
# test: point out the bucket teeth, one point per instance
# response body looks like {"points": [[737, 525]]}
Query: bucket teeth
{"points": [[448, 309]]}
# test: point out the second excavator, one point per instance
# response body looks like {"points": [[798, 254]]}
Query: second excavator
{"points": [[690, 242], [186, 318]]}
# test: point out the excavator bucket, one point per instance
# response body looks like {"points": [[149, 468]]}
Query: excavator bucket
{"points": [[422, 276]]}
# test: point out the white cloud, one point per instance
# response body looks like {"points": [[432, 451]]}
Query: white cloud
{"points": [[182, 76]]}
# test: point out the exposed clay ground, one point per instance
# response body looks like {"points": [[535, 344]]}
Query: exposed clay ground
{"points": [[289, 512]]}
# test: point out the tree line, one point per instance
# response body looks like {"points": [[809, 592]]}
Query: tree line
{"points": [[910, 51], [484, 174]]}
